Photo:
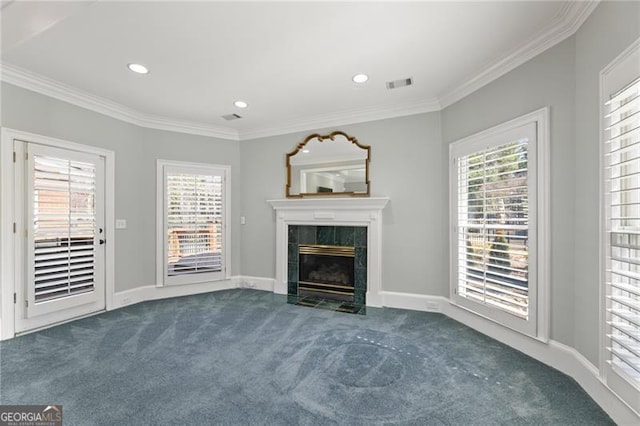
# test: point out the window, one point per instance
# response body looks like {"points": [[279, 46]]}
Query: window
{"points": [[620, 87], [192, 216], [497, 193]]}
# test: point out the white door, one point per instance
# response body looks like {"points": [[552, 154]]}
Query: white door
{"points": [[62, 263]]}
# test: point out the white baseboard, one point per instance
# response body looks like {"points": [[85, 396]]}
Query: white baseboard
{"points": [[415, 302], [257, 283], [588, 377], [554, 354], [152, 292]]}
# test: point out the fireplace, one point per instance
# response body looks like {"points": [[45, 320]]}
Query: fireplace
{"points": [[326, 271], [327, 266], [348, 221]]}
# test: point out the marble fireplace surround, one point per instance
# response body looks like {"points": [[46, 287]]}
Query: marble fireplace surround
{"points": [[332, 212]]}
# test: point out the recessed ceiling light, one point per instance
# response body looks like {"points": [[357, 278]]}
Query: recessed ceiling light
{"points": [[137, 68], [305, 151], [240, 104], [360, 78]]}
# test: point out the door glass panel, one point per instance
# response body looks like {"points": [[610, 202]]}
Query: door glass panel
{"points": [[64, 227]]}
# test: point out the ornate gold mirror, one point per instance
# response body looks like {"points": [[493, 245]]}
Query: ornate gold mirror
{"points": [[328, 165]]}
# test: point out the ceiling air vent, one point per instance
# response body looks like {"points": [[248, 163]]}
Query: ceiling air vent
{"points": [[230, 117], [399, 83]]}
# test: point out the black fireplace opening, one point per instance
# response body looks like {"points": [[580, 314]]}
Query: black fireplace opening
{"points": [[327, 267], [326, 271]]}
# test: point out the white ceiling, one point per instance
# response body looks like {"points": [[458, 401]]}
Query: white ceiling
{"points": [[291, 61]]}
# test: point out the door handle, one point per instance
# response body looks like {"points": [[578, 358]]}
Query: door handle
{"points": [[102, 241]]}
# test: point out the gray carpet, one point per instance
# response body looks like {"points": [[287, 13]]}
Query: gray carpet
{"points": [[247, 357]]}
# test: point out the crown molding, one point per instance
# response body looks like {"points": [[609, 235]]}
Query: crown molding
{"points": [[564, 25], [343, 117], [46, 86]]}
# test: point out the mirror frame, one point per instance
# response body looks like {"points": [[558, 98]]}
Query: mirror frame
{"points": [[330, 136]]}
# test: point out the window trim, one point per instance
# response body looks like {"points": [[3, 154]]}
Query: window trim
{"points": [[621, 71], [538, 325], [161, 207]]}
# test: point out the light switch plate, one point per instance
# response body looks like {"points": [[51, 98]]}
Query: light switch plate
{"points": [[121, 224]]}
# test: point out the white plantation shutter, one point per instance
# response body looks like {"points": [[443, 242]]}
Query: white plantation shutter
{"points": [[64, 227], [499, 195], [622, 209], [493, 227], [193, 222]]}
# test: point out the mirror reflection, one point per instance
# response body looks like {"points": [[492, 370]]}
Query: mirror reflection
{"points": [[334, 164]]}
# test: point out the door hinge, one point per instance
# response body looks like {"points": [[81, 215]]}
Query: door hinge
{"points": [[14, 227], [15, 298], [26, 155], [14, 156], [26, 303]]}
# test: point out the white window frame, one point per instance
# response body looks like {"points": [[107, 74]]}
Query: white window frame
{"points": [[162, 278], [620, 72], [537, 325]]}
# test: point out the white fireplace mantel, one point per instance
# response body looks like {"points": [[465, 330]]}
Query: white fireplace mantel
{"points": [[333, 212]]}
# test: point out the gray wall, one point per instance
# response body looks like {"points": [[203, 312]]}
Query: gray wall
{"points": [[406, 165], [136, 150], [565, 78], [608, 32], [546, 80]]}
